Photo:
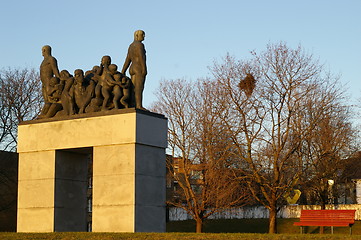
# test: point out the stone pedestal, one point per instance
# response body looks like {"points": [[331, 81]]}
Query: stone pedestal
{"points": [[128, 154]]}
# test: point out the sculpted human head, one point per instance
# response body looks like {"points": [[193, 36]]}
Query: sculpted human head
{"points": [[117, 77], [113, 68], [96, 70], [139, 35], [79, 75], [125, 79], [106, 60], [64, 74], [46, 50]]}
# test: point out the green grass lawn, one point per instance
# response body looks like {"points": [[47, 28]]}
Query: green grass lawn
{"points": [[169, 236], [214, 229]]}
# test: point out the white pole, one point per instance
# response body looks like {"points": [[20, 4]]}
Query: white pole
{"points": [[358, 191]]}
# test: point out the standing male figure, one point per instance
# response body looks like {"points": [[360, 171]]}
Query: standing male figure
{"points": [[48, 70], [138, 68]]}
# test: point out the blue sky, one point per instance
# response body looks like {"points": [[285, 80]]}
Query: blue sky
{"points": [[183, 37]]}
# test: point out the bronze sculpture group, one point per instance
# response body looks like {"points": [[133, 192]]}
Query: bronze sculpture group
{"points": [[101, 89]]}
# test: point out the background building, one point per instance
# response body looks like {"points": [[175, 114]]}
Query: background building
{"points": [[8, 190]]}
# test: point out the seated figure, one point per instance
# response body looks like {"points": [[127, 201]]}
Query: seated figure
{"points": [[53, 93], [81, 91], [67, 99], [55, 89]]}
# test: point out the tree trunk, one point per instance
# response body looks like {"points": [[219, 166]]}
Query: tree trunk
{"points": [[199, 226], [272, 227], [323, 207]]}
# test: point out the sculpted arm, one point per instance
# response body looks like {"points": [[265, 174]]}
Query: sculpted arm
{"points": [[54, 66], [68, 85], [109, 79], [140, 53], [101, 69], [126, 63]]}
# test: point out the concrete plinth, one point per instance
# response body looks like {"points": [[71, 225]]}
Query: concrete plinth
{"points": [[128, 191]]}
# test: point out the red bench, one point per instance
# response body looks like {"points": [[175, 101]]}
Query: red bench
{"points": [[328, 218]]}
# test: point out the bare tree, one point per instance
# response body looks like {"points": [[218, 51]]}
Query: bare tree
{"points": [[324, 154], [201, 159], [268, 120], [20, 100], [261, 120]]}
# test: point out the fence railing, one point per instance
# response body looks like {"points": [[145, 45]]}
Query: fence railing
{"points": [[289, 211]]}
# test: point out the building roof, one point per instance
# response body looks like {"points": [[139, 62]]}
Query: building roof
{"points": [[353, 167]]}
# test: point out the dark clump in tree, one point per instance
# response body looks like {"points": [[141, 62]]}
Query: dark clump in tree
{"points": [[276, 127], [293, 123], [248, 84]]}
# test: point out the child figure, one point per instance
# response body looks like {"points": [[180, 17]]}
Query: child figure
{"points": [[117, 90], [108, 84], [55, 89], [121, 90], [125, 84]]}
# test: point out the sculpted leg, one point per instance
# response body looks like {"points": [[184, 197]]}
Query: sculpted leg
{"points": [[88, 96], [98, 91], [124, 99], [45, 110], [138, 91], [106, 96], [117, 95], [53, 109]]}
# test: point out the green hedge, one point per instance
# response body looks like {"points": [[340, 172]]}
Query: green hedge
{"points": [[254, 226]]}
